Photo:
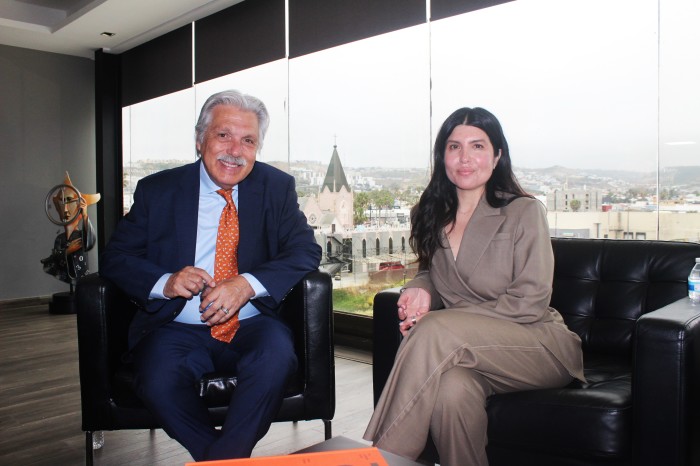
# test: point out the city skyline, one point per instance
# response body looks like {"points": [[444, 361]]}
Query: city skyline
{"points": [[681, 180]]}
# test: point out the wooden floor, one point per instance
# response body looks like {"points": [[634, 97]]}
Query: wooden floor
{"points": [[40, 401]]}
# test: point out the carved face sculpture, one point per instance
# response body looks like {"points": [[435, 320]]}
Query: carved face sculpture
{"points": [[67, 204]]}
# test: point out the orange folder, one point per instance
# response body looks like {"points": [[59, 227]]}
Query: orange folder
{"points": [[369, 456]]}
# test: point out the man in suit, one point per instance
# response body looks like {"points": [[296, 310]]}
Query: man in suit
{"points": [[163, 255]]}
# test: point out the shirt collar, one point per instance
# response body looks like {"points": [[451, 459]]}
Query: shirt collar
{"points": [[206, 184]]}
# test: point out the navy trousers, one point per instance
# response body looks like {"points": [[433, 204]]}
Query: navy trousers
{"points": [[170, 361]]}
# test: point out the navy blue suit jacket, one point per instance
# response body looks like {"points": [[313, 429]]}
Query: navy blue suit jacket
{"points": [[158, 236]]}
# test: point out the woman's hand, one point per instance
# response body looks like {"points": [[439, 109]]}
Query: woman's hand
{"points": [[413, 304]]}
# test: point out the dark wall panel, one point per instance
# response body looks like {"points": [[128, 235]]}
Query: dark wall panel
{"points": [[243, 36], [320, 24], [108, 139], [158, 67], [440, 9]]}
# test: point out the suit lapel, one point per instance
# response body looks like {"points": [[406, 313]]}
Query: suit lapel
{"points": [[250, 208], [479, 233], [186, 214]]}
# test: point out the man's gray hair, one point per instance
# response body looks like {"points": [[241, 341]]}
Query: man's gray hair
{"points": [[237, 99]]}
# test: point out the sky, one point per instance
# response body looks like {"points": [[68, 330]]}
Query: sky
{"points": [[576, 83]]}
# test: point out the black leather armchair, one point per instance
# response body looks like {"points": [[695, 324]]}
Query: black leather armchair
{"points": [[628, 301], [108, 399]]}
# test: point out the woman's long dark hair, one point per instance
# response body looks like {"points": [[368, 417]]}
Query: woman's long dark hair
{"points": [[438, 204]]}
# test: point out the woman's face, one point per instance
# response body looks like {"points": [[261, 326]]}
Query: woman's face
{"points": [[469, 158]]}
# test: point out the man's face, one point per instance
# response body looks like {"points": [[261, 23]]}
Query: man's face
{"points": [[230, 145]]}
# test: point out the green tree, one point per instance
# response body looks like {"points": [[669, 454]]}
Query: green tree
{"points": [[638, 193], [360, 203], [409, 196], [667, 194], [382, 199], [575, 205]]}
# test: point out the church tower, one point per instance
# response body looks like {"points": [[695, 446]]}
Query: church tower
{"points": [[335, 195]]}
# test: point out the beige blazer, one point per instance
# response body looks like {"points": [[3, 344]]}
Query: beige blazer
{"points": [[504, 270]]}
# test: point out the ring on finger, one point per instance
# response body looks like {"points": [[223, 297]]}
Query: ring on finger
{"points": [[225, 311], [413, 320]]}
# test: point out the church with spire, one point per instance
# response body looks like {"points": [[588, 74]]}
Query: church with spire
{"points": [[335, 194], [331, 209], [330, 213]]}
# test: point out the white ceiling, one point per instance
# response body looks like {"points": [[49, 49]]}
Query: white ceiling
{"points": [[73, 27]]}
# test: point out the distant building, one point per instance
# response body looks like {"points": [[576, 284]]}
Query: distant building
{"points": [[389, 216], [332, 209], [626, 224], [309, 205], [574, 200], [336, 195]]}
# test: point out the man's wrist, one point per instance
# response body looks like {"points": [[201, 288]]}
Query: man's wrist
{"points": [[257, 288], [158, 290]]}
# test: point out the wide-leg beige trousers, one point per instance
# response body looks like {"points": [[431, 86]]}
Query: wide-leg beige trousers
{"points": [[445, 368]]}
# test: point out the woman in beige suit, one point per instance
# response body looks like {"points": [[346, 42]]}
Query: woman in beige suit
{"points": [[486, 262]]}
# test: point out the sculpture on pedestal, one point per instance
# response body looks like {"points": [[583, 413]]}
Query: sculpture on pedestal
{"points": [[67, 207]]}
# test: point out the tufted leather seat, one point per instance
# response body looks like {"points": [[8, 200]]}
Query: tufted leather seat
{"points": [[640, 405], [106, 382]]}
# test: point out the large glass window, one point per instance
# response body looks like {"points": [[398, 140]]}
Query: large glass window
{"points": [[679, 124], [598, 100], [156, 134], [268, 83], [579, 108], [159, 133], [368, 104]]}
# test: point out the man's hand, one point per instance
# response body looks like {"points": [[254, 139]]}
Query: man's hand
{"points": [[222, 300], [413, 304], [187, 282]]}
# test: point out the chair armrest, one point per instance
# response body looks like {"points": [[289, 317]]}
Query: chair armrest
{"points": [[665, 385], [308, 309], [103, 317], [386, 337]]}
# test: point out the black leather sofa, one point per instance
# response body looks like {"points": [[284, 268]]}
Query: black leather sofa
{"points": [[628, 301], [108, 400]]}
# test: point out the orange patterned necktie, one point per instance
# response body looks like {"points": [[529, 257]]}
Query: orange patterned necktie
{"points": [[226, 260]]}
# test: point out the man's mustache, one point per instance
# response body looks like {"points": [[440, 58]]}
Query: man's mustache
{"points": [[232, 159]]}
